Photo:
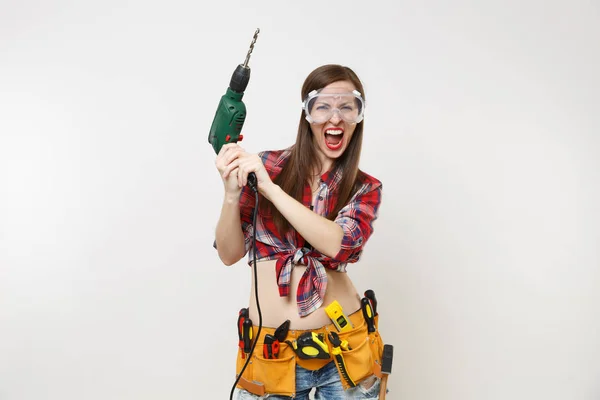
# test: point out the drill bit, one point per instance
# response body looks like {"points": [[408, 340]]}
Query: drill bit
{"points": [[251, 48]]}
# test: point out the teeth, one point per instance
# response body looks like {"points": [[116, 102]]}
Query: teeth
{"points": [[334, 132]]}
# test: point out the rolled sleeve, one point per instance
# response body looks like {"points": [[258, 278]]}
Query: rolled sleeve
{"points": [[356, 220]]}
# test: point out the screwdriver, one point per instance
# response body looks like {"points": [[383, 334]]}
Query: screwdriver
{"points": [[369, 294], [368, 314], [243, 314], [247, 335]]}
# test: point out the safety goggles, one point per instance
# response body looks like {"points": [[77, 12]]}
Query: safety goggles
{"points": [[320, 106]]}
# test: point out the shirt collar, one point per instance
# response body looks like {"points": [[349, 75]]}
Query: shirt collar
{"points": [[332, 177]]}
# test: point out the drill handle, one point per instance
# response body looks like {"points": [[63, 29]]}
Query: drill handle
{"points": [[252, 181]]}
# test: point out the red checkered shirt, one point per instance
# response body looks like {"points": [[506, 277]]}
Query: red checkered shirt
{"points": [[356, 220]]}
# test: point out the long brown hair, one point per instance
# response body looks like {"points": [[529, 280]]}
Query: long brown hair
{"points": [[303, 158]]}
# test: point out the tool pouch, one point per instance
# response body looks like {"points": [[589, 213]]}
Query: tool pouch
{"points": [[268, 376], [364, 354], [278, 376]]}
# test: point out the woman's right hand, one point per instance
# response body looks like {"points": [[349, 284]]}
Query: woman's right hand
{"points": [[229, 173]]}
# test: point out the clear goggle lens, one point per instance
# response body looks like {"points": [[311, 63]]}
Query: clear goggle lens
{"points": [[321, 105]]}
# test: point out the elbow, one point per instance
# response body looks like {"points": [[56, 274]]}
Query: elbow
{"points": [[228, 252], [348, 249], [231, 257], [228, 259], [332, 252], [335, 246]]}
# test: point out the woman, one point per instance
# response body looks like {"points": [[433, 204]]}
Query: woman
{"points": [[316, 212]]}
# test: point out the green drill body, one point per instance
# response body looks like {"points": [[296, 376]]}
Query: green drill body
{"points": [[229, 120]]}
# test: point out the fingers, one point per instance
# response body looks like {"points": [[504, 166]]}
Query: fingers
{"points": [[230, 167], [227, 154], [227, 147], [240, 177], [227, 150], [233, 154], [235, 164], [246, 165]]}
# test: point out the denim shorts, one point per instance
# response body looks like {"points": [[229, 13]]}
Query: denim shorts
{"points": [[327, 384]]}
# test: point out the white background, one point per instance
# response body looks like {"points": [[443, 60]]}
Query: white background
{"points": [[482, 122]]}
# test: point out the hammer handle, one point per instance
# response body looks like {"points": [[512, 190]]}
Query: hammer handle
{"points": [[383, 386]]}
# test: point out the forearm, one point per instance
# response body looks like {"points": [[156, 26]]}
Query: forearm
{"points": [[323, 234], [229, 236]]}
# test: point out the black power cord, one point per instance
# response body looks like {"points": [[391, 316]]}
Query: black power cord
{"points": [[253, 185]]}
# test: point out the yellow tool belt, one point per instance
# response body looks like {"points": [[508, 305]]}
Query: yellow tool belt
{"points": [[278, 376]]}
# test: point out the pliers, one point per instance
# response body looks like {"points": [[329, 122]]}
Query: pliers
{"points": [[271, 342], [270, 347]]}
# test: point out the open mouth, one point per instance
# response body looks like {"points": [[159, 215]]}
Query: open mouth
{"points": [[333, 138]]}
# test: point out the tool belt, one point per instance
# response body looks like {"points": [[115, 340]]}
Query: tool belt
{"points": [[356, 352]]}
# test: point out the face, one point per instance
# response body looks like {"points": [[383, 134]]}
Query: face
{"points": [[333, 136]]}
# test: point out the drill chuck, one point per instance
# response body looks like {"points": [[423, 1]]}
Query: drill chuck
{"points": [[239, 79]]}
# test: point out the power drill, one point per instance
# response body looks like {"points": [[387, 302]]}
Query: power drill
{"points": [[231, 112]]}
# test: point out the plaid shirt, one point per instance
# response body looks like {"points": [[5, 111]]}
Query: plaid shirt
{"points": [[356, 220]]}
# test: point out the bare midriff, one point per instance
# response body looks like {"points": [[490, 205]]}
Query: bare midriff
{"points": [[276, 309]]}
